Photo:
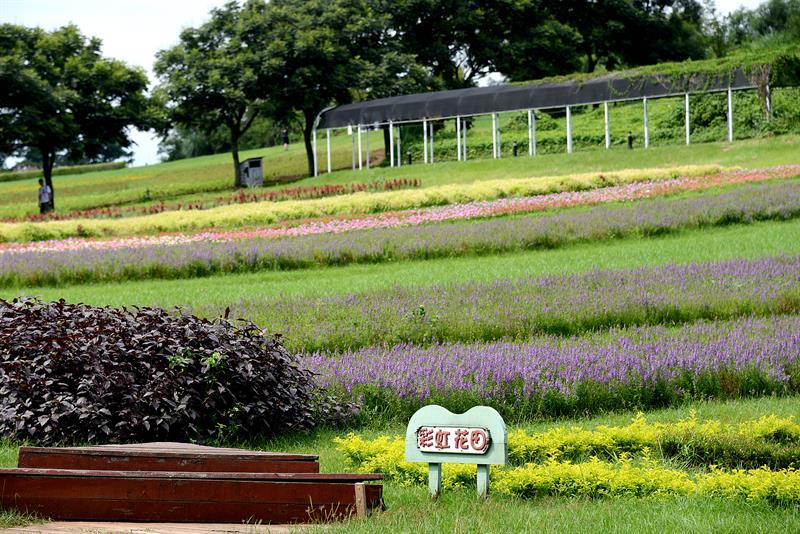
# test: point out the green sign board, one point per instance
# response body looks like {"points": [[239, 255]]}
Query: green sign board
{"points": [[436, 436]]}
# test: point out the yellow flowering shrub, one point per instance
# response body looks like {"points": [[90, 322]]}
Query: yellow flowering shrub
{"points": [[540, 463]]}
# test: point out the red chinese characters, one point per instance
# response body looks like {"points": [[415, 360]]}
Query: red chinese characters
{"points": [[453, 439]]}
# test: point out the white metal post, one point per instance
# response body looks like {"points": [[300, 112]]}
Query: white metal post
{"points": [[533, 129], [686, 117], [352, 145], [730, 115], [646, 126], [431, 137], [366, 145], [399, 152], [569, 130], [391, 144], [494, 135], [768, 103], [499, 139], [425, 140], [605, 117], [329, 150], [464, 143], [316, 172], [530, 132], [360, 154], [458, 137]]}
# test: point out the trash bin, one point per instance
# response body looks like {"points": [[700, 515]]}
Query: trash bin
{"points": [[252, 172]]}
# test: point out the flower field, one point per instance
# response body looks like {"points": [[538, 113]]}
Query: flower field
{"points": [[261, 213], [637, 367], [635, 464], [396, 237], [553, 299]]}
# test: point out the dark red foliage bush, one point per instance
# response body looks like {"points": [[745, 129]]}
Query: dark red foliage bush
{"points": [[75, 373]]}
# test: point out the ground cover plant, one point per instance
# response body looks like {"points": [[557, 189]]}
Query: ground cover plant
{"points": [[211, 295], [521, 308], [637, 367], [72, 373], [71, 262], [240, 197], [359, 203]]}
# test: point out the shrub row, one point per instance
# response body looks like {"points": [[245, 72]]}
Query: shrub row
{"points": [[261, 213], [436, 240], [594, 478], [75, 373]]}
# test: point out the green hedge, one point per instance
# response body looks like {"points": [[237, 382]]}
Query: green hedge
{"points": [[62, 171]]}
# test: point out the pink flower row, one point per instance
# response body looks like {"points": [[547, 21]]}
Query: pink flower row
{"points": [[413, 217]]}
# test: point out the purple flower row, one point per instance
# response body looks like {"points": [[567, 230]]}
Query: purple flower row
{"points": [[643, 358], [522, 308], [766, 201]]}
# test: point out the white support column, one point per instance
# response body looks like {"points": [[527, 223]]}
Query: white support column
{"points": [[533, 130], [391, 144], [646, 126], [329, 150], [499, 139], [352, 144], [360, 154], [730, 115], [608, 133], [431, 138], [530, 132], [399, 152], [494, 136], [768, 102], [464, 142], [366, 145], [425, 140], [458, 137], [686, 117], [316, 166], [569, 130]]}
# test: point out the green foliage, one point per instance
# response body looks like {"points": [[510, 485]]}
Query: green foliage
{"points": [[60, 95], [214, 76]]}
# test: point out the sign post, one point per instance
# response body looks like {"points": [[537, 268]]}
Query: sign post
{"points": [[436, 436]]}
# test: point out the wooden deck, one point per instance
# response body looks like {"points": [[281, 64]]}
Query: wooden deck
{"points": [[83, 527], [166, 457], [178, 483]]}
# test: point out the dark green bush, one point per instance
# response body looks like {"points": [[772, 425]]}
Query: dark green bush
{"points": [[75, 373]]}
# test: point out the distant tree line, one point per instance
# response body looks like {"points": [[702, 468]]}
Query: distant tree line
{"points": [[255, 66]]}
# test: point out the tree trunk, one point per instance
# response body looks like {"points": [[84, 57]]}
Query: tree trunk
{"points": [[237, 171], [48, 159], [387, 150], [310, 116]]}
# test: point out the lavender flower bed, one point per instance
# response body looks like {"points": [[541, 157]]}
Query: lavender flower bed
{"points": [[635, 367], [522, 308], [768, 201]]}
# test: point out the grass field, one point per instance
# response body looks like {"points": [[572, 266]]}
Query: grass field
{"points": [[668, 296]]}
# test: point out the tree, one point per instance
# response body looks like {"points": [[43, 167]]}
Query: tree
{"points": [[61, 97], [317, 53], [212, 77]]}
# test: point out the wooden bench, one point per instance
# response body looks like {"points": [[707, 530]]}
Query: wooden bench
{"points": [[166, 457], [173, 482]]}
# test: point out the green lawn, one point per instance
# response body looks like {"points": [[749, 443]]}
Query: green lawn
{"points": [[411, 510], [737, 241], [210, 176]]}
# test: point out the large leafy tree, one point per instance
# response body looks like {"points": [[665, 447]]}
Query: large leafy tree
{"points": [[317, 53], [60, 96], [213, 76]]}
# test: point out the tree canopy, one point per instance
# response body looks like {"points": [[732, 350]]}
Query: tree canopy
{"points": [[62, 97]]}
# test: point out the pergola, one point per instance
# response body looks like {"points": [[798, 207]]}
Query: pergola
{"points": [[460, 104]]}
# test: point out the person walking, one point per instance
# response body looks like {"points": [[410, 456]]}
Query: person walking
{"points": [[45, 197], [285, 137]]}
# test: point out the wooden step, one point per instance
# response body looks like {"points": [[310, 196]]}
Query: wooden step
{"points": [[166, 456], [211, 497]]}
